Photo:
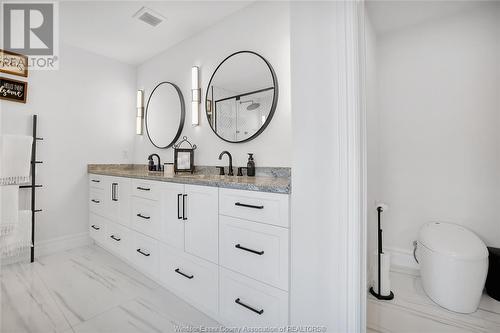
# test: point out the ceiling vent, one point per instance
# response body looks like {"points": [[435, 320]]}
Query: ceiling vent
{"points": [[149, 16]]}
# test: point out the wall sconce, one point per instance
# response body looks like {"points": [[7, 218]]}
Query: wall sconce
{"points": [[140, 112], [195, 95]]}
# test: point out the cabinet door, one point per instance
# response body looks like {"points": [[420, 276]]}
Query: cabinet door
{"points": [[172, 222], [117, 199], [201, 217]]}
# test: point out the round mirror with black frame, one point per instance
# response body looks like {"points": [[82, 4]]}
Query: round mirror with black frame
{"points": [[241, 97], [165, 114]]}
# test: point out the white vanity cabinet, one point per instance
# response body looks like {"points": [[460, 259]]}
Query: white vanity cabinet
{"points": [[225, 251], [109, 197]]}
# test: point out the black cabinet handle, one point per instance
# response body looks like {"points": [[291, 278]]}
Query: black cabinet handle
{"points": [[179, 217], [178, 271], [96, 181], [259, 312], [248, 206], [114, 191], [238, 246], [184, 207], [95, 201], [114, 237], [144, 254], [143, 217], [143, 188], [95, 227]]}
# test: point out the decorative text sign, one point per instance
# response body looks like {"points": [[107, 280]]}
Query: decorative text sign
{"points": [[13, 63], [13, 90]]}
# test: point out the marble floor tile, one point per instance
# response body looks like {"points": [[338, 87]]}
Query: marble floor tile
{"points": [[88, 290], [90, 286], [27, 304], [413, 311], [164, 302], [131, 317]]}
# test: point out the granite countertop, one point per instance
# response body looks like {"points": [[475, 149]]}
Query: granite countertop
{"points": [[274, 180]]}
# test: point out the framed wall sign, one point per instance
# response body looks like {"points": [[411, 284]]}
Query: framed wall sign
{"points": [[13, 63], [13, 90], [184, 157]]}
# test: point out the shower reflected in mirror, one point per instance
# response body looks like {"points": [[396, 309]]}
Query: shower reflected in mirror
{"points": [[241, 97]]}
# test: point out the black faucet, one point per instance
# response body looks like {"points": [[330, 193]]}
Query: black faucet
{"points": [[151, 163], [230, 172]]}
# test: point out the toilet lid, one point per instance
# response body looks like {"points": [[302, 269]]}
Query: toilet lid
{"points": [[452, 240]]}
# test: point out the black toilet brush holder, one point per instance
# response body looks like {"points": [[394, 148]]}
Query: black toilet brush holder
{"points": [[379, 253]]}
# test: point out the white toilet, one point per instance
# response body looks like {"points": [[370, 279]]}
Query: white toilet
{"points": [[453, 265]]}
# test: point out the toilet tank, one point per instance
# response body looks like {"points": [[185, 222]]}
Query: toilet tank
{"points": [[453, 265]]}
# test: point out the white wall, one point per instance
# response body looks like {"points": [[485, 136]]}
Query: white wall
{"points": [[86, 115], [262, 27], [439, 132]]}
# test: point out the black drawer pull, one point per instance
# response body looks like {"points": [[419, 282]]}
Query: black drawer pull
{"points": [[114, 191], [179, 217], [143, 188], [259, 312], [184, 207], [178, 271], [95, 227], [95, 201], [96, 181], [144, 254], [114, 237], [143, 217], [248, 206], [238, 246]]}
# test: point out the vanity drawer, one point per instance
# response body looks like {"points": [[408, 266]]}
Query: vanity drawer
{"points": [[146, 189], [254, 249], [246, 302], [96, 181], [117, 239], [270, 208], [146, 216], [96, 201], [97, 228], [145, 254], [190, 277]]}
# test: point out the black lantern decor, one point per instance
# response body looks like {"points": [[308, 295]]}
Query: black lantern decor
{"points": [[184, 157]]}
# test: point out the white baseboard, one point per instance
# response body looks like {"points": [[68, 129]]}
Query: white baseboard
{"points": [[59, 244], [51, 246]]}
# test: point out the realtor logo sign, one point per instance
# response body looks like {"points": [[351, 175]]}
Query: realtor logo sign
{"points": [[32, 29]]}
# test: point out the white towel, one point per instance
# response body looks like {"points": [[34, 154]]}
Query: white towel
{"points": [[9, 209], [20, 239], [15, 151]]}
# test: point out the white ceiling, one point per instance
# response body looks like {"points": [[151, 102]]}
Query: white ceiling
{"points": [[392, 15], [107, 27]]}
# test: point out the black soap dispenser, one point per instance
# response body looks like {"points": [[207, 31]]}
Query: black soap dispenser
{"points": [[250, 166]]}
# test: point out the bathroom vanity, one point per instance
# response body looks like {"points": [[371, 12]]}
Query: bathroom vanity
{"points": [[219, 242]]}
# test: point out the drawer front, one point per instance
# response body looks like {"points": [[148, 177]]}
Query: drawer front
{"points": [[270, 208], [145, 189], [254, 249], [145, 254], [96, 181], [96, 201], [191, 278], [117, 239], [145, 217], [97, 228], [246, 302]]}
